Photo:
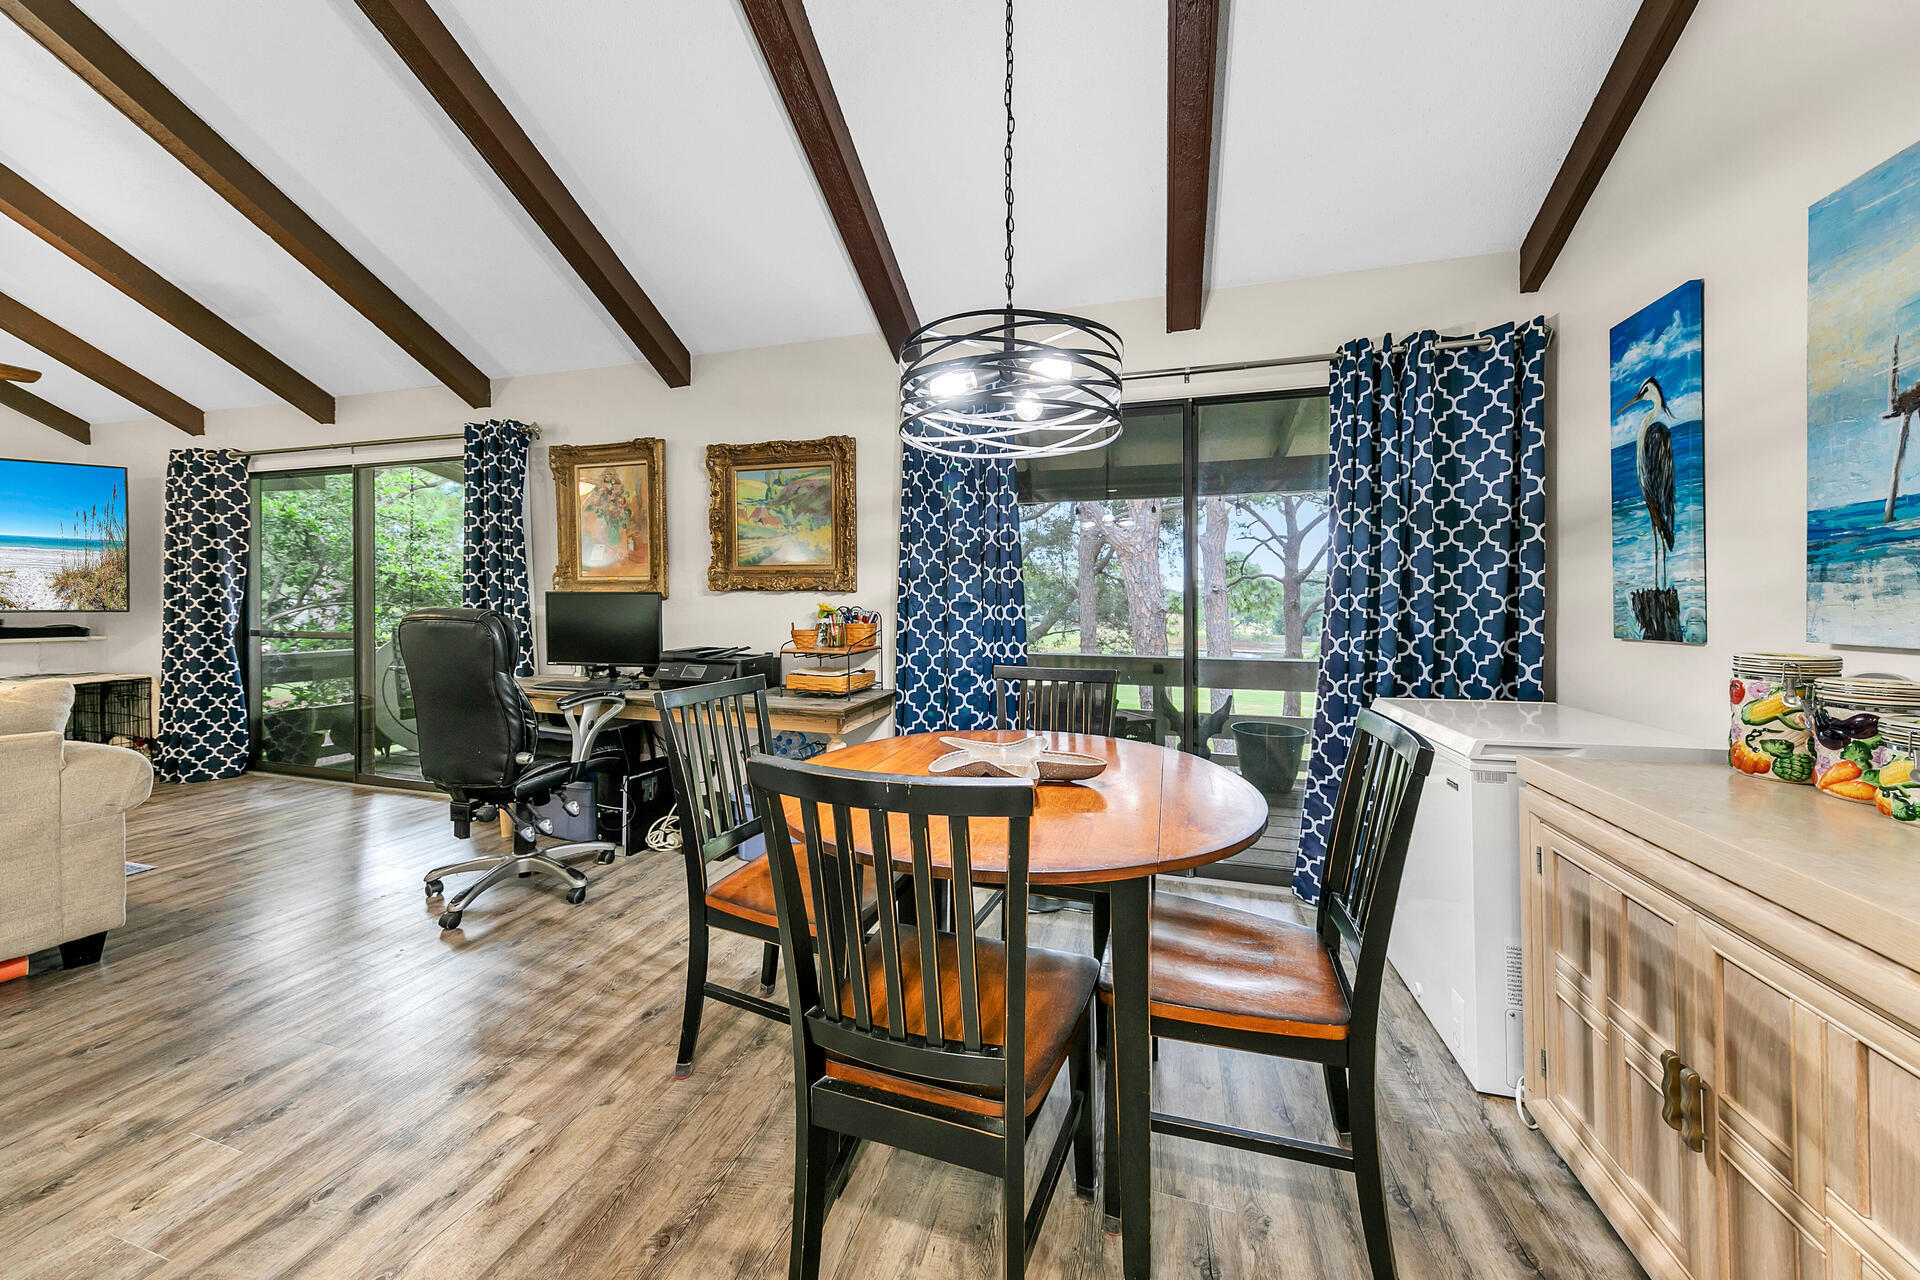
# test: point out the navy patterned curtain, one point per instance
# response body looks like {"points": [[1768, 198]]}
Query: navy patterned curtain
{"points": [[1436, 582], [962, 605], [494, 527], [203, 707]]}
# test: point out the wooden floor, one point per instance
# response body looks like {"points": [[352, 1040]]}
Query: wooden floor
{"points": [[283, 1069]]}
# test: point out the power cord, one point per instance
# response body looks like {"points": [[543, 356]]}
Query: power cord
{"points": [[664, 834]]}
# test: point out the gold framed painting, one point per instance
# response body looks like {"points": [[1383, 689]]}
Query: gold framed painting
{"points": [[782, 515], [612, 506]]}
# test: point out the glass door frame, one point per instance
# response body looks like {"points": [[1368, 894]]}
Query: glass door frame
{"points": [[361, 475], [1194, 670]]}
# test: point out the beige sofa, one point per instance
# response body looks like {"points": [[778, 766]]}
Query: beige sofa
{"points": [[63, 838]]}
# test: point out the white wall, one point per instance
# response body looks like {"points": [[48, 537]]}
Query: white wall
{"points": [[1765, 107], [838, 387]]}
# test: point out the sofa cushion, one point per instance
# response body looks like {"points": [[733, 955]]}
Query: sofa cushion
{"points": [[99, 781], [35, 706]]}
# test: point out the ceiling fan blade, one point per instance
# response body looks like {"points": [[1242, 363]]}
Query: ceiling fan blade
{"points": [[14, 373]]}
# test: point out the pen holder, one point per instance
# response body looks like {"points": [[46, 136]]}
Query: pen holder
{"points": [[861, 635]]}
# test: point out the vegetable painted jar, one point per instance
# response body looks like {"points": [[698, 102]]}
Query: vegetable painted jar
{"points": [[1768, 735], [1845, 714], [1898, 791]]}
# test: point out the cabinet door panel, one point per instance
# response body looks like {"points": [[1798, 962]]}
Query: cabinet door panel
{"points": [[1893, 1151]]}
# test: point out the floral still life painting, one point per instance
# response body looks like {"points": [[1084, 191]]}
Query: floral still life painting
{"points": [[782, 515], [1659, 483], [1863, 476], [612, 517]]}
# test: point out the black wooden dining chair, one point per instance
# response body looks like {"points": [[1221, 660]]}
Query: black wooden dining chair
{"points": [[1055, 699], [710, 731], [942, 1043], [1237, 980]]}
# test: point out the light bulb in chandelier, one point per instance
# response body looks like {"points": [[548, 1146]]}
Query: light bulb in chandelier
{"points": [[949, 385], [1028, 408]]}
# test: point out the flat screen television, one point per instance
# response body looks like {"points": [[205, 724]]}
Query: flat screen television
{"points": [[63, 537]]}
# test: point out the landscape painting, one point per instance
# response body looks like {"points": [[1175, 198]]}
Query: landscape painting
{"points": [[1863, 479], [63, 537], [1659, 472], [611, 501], [782, 515]]}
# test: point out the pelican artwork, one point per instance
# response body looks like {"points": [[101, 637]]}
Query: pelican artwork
{"points": [[1653, 461]]}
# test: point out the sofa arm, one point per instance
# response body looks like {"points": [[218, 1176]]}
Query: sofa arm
{"points": [[99, 781], [30, 879]]}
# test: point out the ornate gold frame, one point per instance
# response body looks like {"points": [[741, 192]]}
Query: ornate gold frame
{"points": [[565, 460], [724, 459]]}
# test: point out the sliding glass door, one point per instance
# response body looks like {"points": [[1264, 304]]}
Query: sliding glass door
{"points": [[1192, 557], [340, 555]]}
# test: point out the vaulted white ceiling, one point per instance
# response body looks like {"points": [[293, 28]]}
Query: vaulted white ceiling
{"points": [[1353, 134]]}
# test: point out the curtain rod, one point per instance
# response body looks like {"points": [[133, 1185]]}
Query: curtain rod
{"points": [[1483, 341], [532, 432]]}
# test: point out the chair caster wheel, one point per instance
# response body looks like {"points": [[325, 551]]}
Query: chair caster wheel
{"points": [[435, 888], [606, 856], [577, 895], [450, 920]]}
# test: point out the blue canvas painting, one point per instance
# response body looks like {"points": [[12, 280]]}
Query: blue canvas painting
{"points": [[1863, 475], [1659, 473]]}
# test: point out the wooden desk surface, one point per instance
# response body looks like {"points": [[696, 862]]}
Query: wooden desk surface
{"points": [[833, 718], [1841, 865]]}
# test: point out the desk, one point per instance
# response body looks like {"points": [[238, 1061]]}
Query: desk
{"points": [[1154, 810], [833, 718]]}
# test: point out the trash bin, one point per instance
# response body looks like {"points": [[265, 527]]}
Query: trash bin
{"points": [[1269, 754]]}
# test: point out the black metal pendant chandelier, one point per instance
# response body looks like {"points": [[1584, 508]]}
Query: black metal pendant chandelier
{"points": [[1010, 383]]}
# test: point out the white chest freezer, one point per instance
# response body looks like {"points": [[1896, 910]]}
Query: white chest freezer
{"points": [[1456, 934]]}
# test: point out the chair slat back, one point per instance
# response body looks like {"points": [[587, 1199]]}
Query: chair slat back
{"points": [[1367, 851], [1055, 699], [852, 825], [711, 731]]}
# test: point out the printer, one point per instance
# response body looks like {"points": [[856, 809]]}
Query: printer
{"points": [[705, 664]]}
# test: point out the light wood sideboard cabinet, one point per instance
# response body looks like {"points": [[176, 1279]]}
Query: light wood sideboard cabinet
{"points": [[1722, 1015]]}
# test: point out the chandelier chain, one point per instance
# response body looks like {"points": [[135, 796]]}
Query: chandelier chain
{"points": [[1008, 155]]}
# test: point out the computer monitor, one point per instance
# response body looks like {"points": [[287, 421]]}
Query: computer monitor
{"points": [[603, 628]]}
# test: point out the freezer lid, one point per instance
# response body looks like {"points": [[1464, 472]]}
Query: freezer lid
{"points": [[1476, 729]]}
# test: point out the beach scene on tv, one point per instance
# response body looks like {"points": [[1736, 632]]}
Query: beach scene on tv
{"points": [[63, 537]]}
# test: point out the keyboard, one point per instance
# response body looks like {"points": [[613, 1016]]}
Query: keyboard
{"points": [[565, 682]]}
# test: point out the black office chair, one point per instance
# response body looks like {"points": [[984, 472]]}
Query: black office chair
{"points": [[480, 739]]}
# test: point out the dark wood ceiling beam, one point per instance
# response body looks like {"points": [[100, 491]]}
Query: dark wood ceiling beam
{"points": [[1193, 56], [793, 58], [435, 57], [47, 218], [89, 361], [52, 415], [95, 57], [1651, 35]]}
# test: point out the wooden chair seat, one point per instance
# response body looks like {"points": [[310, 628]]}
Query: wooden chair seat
{"points": [[747, 894], [1217, 966], [1059, 985]]}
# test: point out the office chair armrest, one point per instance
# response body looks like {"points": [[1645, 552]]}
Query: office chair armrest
{"points": [[587, 713]]}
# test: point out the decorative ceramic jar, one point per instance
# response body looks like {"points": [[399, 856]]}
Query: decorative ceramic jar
{"points": [[1845, 715], [1897, 792], [1768, 735]]}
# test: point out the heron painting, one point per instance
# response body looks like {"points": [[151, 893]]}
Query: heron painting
{"points": [[1863, 394], [1659, 498]]}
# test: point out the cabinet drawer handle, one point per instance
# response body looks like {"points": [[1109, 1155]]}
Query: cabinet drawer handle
{"points": [[1693, 1091], [1670, 1069]]}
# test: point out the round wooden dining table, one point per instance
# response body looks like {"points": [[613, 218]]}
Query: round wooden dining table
{"points": [[1152, 811]]}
